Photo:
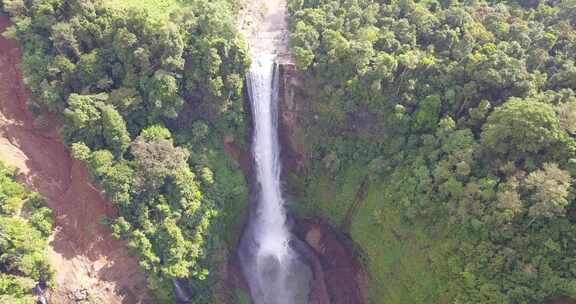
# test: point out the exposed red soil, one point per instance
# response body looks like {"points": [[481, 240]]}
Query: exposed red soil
{"points": [[564, 300], [83, 252], [344, 274]]}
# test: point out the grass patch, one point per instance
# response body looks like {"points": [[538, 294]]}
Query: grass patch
{"points": [[331, 198], [405, 264]]}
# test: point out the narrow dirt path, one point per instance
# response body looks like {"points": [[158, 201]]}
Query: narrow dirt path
{"points": [[86, 257], [353, 209]]}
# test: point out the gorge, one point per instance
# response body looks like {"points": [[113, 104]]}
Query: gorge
{"points": [[272, 267], [287, 151], [274, 270]]}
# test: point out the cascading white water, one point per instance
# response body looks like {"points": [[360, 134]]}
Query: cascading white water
{"points": [[264, 97], [274, 271]]}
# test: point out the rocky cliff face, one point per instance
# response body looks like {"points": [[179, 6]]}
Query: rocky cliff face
{"points": [[338, 272], [339, 275], [344, 277], [294, 105]]}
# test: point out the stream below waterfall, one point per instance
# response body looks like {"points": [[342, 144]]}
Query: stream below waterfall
{"points": [[275, 272]]}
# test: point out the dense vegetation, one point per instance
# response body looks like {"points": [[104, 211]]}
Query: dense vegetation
{"points": [[462, 114], [25, 225], [146, 102]]}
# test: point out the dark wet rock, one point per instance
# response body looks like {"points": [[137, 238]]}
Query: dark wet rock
{"points": [[563, 300], [293, 104], [343, 271]]}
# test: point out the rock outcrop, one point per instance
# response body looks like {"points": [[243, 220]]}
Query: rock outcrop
{"points": [[339, 275], [344, 275], [294, 103]]}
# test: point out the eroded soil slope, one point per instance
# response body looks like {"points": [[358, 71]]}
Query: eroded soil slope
{"points": [[87, 259]]}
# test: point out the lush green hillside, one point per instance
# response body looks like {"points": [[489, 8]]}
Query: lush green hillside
{"points": [[156, 8], [162, 9], [146, 101], [461, 116], [25, 225]]}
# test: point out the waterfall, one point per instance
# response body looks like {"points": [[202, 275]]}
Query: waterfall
{"points": [[274, 271], [264, 98]]}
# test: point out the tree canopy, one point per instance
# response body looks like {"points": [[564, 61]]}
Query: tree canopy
{"points": [[464, 111], [25, 225], [132, 90]]}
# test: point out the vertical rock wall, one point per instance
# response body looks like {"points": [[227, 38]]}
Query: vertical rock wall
{"points": [[339, 274], [294, 104]]}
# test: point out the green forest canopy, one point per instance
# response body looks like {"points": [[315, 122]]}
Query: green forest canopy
{"points": [[462, 114], [25, 225], [145, 102]]}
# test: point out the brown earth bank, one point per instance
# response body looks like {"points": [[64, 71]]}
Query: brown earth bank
{"points": [[344, 275], [563, 300], [89, 263]]}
